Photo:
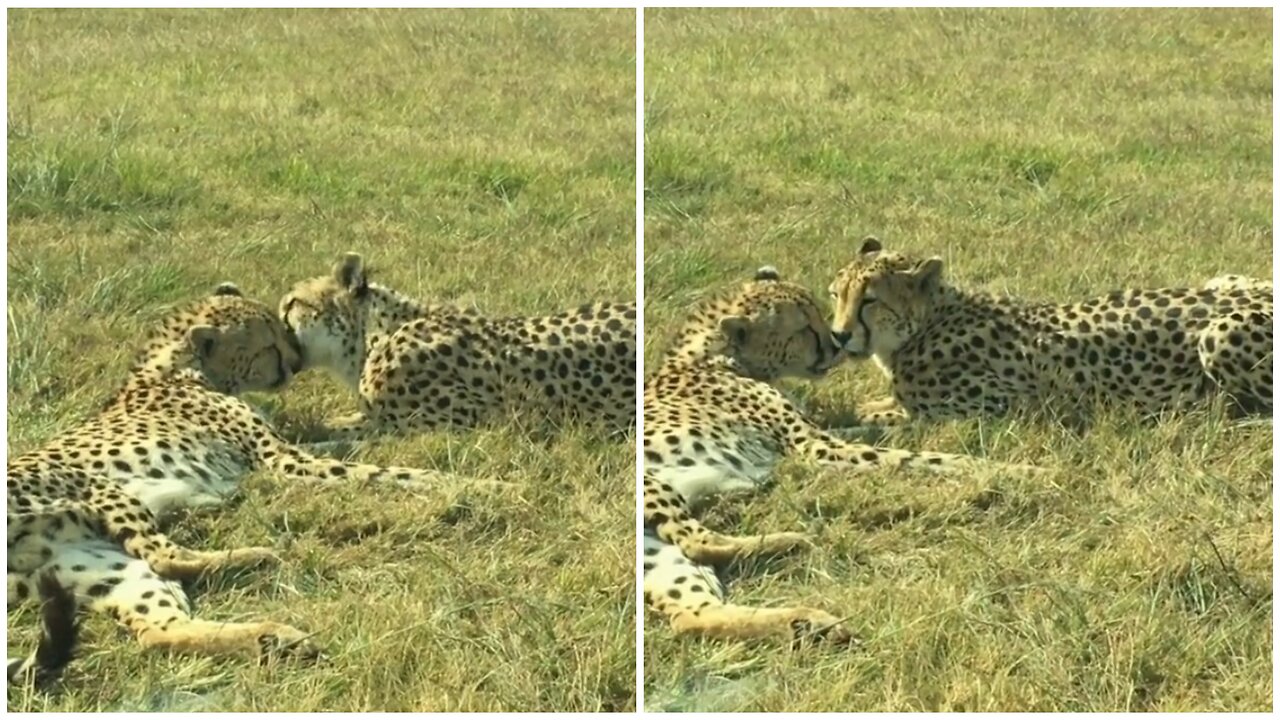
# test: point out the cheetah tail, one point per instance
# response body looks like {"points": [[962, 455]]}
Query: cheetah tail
{"points": [[59, 632]]}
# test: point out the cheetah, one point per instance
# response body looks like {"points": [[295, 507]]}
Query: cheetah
{"points": [[86, 505], [59, 632], [420, 366], [714, 423], [954, 353]]}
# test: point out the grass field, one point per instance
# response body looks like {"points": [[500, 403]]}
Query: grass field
{"points": [[483, 156], [1053, 155]]}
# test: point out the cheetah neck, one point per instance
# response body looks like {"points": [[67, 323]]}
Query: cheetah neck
{"points": [[951, 302], [165, 363], [949, 299], [388, 310], [947, 302], [946, 295], [699, 341], [952, 296]]}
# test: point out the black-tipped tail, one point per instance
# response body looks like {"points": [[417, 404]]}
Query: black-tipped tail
{"points": [[59, 632]]}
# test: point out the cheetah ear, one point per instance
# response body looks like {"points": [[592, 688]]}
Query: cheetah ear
{"points": [[870, 244], [203, 339], [734, 328], [928, 274], [228, 289], [767, 272], [350, 273]]}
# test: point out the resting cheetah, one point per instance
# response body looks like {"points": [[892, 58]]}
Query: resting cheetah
{"points": [[421, 366], [84, 506], [713, 424], [953, 353]]}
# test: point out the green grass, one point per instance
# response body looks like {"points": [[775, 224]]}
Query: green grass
{"points": [[1050, 154], [483, 156]]}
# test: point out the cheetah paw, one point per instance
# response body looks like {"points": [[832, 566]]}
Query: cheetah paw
{"points": [[808, 626], [192, 563], [285, 642], [721, 550], [784, 542]]}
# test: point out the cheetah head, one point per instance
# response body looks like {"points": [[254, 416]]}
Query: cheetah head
{"points": [[326, 314], [881, 299], [774, 329], [237, 344]]}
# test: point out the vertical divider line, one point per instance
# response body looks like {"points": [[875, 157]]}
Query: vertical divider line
{"points": [[639, 352]]}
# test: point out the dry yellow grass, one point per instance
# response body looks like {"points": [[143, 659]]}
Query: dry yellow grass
{"points": [[484, 156], [1050, 154]]}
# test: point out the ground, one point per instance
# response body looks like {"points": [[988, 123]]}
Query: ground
{"points": [[484, 157], [1053, 155]]}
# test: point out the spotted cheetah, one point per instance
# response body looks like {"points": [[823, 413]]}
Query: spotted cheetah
{"points": [[418, 366], [84, 507], [715, 423], [954, 353]]}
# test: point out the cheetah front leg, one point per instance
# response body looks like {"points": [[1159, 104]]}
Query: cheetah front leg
{"points": [[938, 390], [386, 415], [1236, 354], [127, 521], [432, 387], [341, 434], [667, 513], [348, 428], [872, 420], [123, 518], [183, 634], [691, 597], [702, 616], [157, 612], [886, 412], [679, 584]]}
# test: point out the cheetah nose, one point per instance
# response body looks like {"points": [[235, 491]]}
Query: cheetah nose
{"points": [[842, 337]]}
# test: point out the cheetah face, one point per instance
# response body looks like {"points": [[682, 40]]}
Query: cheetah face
{"points": [[881, 299], [251, 352], [780, 332], [323, 312]]}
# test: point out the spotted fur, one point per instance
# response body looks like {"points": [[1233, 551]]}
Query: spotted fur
{"points": [[954, 353], [418, 366], [715, 423], [86, 506]]}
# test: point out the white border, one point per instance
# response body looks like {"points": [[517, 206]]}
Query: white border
{"points": [[639, 7], [4, 77], [639, 572]]}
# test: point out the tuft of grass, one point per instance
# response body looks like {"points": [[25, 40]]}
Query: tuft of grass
{"points": [[154, 154], [503, 183], [679, 183], [87, 179], [1051, 154]]}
